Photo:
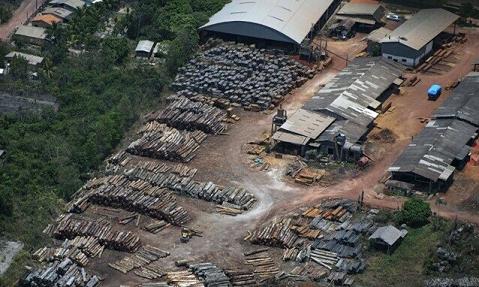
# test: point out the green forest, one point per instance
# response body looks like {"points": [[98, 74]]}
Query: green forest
{"points": [[101, 93]]}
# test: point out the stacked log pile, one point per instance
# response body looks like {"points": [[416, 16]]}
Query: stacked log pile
{"points": [[185, 114], [143, 257], [324, 258], [184, 278], [151, 271], [276, 234], [242, 277], [153, 201], [211, 275], [263, 265], [78, 249], [242, 75], [71, 227], [60, 273], [156, 226], [239, 198], [163, 142]]}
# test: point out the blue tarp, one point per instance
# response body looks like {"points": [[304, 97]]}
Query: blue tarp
{"points": [[434, 91]]}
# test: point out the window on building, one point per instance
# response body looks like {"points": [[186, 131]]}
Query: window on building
{"points": [[390, 57], [404, 60]]}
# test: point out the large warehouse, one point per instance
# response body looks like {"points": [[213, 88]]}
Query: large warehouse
{"points": [[413, 41], [443, 145], [270, 22]]}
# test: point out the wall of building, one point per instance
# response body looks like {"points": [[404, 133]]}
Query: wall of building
{"points": [[404, 54]]}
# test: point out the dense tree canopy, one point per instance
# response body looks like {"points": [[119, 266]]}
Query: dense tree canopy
{"points": [[415, 213]]}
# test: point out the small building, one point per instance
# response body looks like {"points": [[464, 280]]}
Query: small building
{"points": [[71, 5], [59, 12], [366, 16], [284, 23], [31, 35], [387, 238], [374, 40], [45, 20], [144, 48], [413, 41], [33, 61], [296, 133]]}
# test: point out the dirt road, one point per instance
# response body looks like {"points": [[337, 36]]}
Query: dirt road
{"points": [[21, 16]]}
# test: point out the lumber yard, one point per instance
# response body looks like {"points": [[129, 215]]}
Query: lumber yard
{"points": [[298, 145]]}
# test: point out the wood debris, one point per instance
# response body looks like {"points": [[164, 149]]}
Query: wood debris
{"points": [[163, 142], [156, 226]]}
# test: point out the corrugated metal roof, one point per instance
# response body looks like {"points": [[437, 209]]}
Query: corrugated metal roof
{"points": [[290, 138], [292, 18], [306, 123], [144, 46], [389, 234], [31, 32], [464, 101], [432, 151], [74, 4], [422, 28], [357, 20], [58, 11], [32, 59], [379, 34], [359, 9], [355, 89]]}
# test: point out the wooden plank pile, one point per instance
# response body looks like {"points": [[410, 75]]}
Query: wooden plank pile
{"points": [[71, 227], [242, 277], [156, 226], [211, 275], [183, 278], [60, 274], [151, 271], [324, 258], [339, 214], [290, 254], [242, 75], [276, 234], [143, 257], [263, 265], [185, 114], [163, 142]]}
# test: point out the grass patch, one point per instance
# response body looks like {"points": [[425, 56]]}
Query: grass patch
{"points": [[405, 266]]}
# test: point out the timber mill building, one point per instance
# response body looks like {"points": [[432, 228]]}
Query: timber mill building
{"points": [[339, 116], [270, 22], [444, 145]]}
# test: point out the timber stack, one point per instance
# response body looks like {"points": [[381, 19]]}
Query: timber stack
{"points": [[71, 227], [210, 274], [242, 277], [263, 264], [146, 255], [152, 201], [242, 75], [208, 191], [62, 274], [185, 114], [162, 142], [275, 234]]}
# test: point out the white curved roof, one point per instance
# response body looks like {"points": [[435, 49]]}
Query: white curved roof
{"points": [[292, 18]]}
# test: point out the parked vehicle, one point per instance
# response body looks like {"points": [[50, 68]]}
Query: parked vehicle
{"points": [[393, 17]]}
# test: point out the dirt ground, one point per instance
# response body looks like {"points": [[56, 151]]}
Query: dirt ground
{"points": [[221, 160], [21, 16]]}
